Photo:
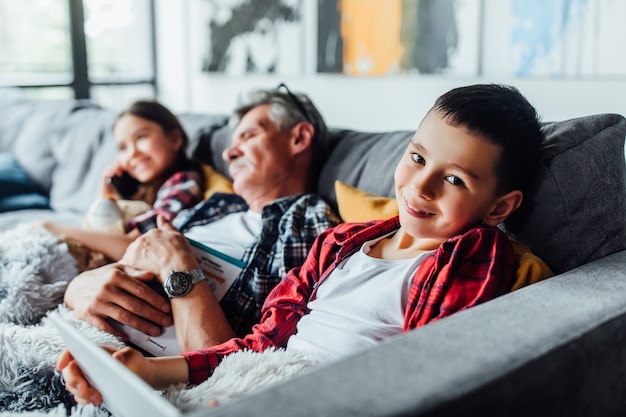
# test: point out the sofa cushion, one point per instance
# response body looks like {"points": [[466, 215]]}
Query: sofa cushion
{"points": [[83, 148], [23, 201], [578, 212], [204, 130], [13, 179], [354, 205], [17, 190], [215, 182], [363, 160], [33, 145], [15, 109]]}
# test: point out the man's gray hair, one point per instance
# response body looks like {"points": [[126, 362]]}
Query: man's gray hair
{"points": [[286, 110]]}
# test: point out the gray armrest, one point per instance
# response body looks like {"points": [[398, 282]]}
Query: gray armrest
{"points": [[554, 348]]}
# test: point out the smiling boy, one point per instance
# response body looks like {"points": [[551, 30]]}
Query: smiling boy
{"points": [[464, 172]]}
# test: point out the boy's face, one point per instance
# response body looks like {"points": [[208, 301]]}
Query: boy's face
{"points": [[445, 182]]}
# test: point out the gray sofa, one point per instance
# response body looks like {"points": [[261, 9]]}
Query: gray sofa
{"points": [[554, 348]]}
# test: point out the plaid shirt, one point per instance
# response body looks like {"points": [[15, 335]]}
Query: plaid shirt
{"points": [[178, 192], [290, 226], [464, 271]]}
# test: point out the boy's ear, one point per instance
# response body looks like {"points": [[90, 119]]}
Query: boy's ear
{"points": [[503, 207], [302, 137]]}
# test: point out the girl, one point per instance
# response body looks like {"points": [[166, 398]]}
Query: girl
{"points": [[152, 159]]}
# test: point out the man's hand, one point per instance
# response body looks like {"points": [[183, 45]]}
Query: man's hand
{"points": [[160, 251], [120, 293]]}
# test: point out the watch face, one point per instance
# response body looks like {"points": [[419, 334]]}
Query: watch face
{"points": [[177, 284]]}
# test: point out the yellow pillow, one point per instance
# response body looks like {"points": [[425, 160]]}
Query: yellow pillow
{"points": [[355, 205], [215, 182]]}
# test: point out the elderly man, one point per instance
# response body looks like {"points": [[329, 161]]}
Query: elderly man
{"points": [[270, 223]]}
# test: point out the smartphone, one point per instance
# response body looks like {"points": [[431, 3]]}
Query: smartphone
{"points": [[125, 185]]}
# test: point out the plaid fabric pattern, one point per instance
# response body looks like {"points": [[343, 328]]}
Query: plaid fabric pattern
{"points": [[180, 191], [290, 226], [464, 271]]}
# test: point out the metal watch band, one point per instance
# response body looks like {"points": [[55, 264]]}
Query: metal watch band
{"points": [[180, 283]]}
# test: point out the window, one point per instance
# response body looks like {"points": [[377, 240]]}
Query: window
{"points": [[101, 49]]}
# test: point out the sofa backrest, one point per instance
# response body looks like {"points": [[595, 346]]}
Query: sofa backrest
{"points": [[577, 215], [579, 209]]}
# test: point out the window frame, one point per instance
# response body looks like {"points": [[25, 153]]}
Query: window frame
{"points": [[81, 83]]}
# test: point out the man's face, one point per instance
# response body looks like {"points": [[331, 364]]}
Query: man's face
{"points": [[445, 182], [259, 154]]}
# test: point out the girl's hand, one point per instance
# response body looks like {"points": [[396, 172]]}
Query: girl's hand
{"points": [[108, 191]]}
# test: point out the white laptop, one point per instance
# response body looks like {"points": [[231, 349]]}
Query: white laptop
{"points": [[123, 392]]}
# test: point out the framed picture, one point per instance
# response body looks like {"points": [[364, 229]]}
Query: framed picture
{"points": [[383, 37], [567, 38], [237, 37]]}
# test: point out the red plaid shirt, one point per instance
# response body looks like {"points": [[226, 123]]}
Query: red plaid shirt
{"points": [[464, 271], [180, 191]]}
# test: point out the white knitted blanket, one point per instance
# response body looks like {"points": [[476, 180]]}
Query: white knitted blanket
{"points": [[35, 269]]}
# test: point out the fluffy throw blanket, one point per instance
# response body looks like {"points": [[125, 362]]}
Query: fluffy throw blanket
{"points": [[35, 268]]}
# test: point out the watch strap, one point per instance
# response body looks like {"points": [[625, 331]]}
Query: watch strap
{"points": [[180, 283], [196, 275]]}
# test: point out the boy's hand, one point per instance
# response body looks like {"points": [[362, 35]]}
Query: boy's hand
{"points": [[82, 390], [75, 381], [160, 251]]}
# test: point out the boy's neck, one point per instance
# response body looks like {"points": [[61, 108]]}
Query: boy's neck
{"points": [[401, 245]]}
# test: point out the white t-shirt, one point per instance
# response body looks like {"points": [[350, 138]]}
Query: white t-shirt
{"points": [[361, 302], [231, 234]]}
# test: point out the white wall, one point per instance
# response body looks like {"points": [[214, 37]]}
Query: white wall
{"points": [[366, 103]]}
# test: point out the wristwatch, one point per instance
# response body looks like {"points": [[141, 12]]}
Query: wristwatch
{"points": [[180, 283]]}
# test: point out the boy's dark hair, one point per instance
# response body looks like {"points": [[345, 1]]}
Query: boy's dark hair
{"points": [[501, 115]]}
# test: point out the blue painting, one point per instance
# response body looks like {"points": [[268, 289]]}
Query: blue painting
{"points": [[559, 38]]}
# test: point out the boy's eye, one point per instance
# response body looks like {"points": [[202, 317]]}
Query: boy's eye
{"points": [[454, 180], [418, 158]]}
